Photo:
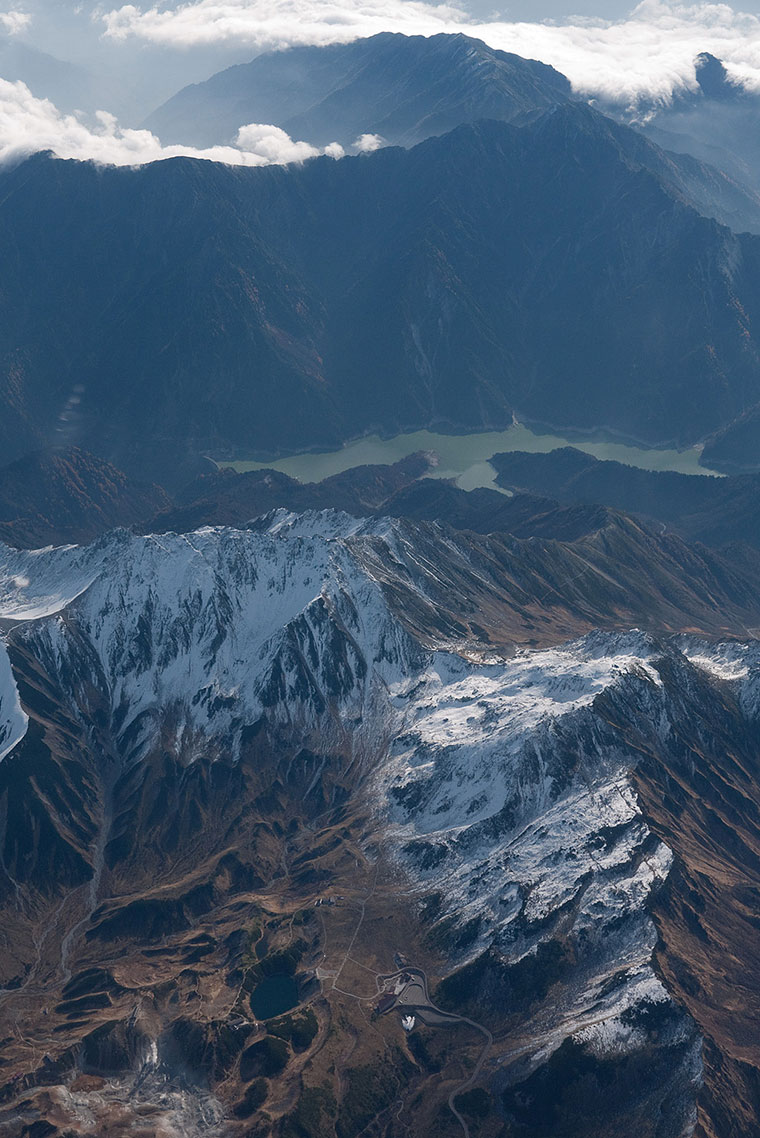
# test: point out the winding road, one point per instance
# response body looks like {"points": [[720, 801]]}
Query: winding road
{"points": [[435, 1017], [414, 997]]}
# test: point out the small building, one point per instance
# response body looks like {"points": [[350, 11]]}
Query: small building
{"points": [[385, 1003], [408, 1023]]}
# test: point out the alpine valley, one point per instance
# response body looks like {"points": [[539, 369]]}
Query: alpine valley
{"points": [[375, 807], [561, 268]]}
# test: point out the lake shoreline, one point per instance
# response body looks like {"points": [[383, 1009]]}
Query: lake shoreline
{"points": [[261, 459], [464, 458]]}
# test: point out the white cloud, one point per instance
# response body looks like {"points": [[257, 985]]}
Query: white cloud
{"points": [[28, 124], [274, 146], [366, 143], [276, 22], [650, 52], [14, 22]]}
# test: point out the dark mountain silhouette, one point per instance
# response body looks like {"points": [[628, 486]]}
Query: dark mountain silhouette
{"points": [[225, 498], [67, 495], [542, 268], [714, 510]]}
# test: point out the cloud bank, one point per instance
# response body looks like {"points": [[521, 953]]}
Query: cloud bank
{"points": [[14, 22], [278, 23], [28, 125], [646, 55]]}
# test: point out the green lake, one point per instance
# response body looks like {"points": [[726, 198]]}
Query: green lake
{"points": [[465, 457]]}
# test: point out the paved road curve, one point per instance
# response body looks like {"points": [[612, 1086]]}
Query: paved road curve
{"points": [[416, 998]]}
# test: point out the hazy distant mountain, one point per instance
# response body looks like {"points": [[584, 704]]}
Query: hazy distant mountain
{"points": [[404, 88], [66, 84], [64, 56], [718, 122], [542, 269]]}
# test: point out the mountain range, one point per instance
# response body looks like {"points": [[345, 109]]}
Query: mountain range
{"points": [[282, 309], [402, 89], [374, 807], [399, 90], [395, 755]]}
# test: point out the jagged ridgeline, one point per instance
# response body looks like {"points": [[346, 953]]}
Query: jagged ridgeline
{"points": [[403, 89]]}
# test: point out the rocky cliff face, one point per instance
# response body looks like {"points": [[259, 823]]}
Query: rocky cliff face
{"points": [[204, 735]]}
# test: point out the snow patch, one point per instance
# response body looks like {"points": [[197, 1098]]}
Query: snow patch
{"points": [[13, 719]]}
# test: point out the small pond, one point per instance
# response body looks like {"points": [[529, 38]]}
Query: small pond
{"points": [[274, 996]]}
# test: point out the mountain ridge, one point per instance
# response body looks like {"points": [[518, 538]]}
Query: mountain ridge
{"points": [[404, 88], [717, 511]]}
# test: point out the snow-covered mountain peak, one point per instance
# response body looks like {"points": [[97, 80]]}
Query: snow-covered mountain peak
{"points": [[219, 624], [35, 583], [326, 524]]}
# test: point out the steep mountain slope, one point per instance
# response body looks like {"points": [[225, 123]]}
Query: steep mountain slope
{"points": [[202, 736], [67, 495], [715, 122], [737, 446], [404, 88], [714, 510], [291, 308], [703, 800]]}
